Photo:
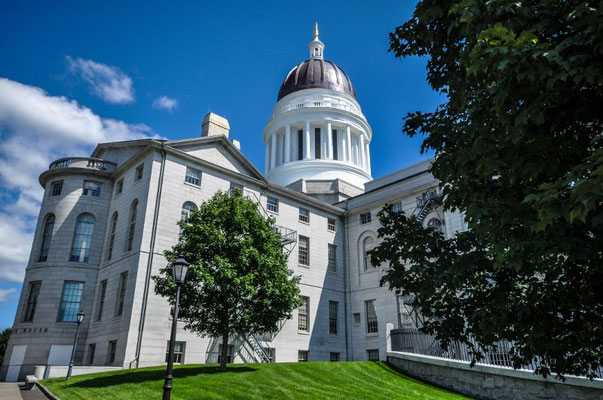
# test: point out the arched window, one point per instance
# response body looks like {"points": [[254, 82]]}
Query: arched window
{"points": [[187, 209], [435, 223], [84, 228], [46, 237], [112, 236], [132, 228], [367, 245]]}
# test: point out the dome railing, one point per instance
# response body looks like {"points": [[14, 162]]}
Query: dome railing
{"points": [[83, 162], [312, 103]]}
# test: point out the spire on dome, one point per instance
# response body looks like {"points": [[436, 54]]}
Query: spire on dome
{"points": [[316, 47]]}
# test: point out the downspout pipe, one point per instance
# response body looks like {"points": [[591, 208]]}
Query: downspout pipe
{"points": [[346, 273], [147, 282]]}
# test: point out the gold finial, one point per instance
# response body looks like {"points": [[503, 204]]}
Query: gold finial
{"points": [[316, 31]]}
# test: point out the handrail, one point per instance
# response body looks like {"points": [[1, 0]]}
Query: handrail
{"points": [[93, 163]]}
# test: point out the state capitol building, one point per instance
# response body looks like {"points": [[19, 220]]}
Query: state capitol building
{"points": [[106, 220]]}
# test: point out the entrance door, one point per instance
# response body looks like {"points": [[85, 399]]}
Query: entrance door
{"points": [[60, 354], [16, 360]]}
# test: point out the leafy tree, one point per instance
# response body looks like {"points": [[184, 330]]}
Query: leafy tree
{"points": [[518, 150], [238, 281], [4, 336]]}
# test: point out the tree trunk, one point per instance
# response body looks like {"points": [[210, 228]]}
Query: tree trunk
{"points": [[224, 351]]}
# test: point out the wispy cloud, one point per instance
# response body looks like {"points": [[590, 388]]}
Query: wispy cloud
{"points": [[105, 81], [166, 103], [7, 294], [35, 129]]}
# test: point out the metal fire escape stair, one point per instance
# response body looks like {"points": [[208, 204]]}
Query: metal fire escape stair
{"points": [[425, 203]]}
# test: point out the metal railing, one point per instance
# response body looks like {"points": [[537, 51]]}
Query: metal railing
{"points": [[83, 162], [500, 355]]}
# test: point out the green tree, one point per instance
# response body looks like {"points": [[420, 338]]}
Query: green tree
{"points": [[518, 150], [4, 336], [238, 281]]}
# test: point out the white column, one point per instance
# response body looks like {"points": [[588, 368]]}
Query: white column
{"points": [[287, 143], [362, 155], [368, 158], [329, 141], [273, 150], [267, 158], [307, 141], [348, 143]]}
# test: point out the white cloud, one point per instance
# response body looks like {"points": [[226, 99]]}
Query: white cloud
{"points": [[105, 81], [6, 294], [35, 129], [167, 103]]}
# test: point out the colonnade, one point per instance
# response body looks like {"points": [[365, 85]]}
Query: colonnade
{"points": [[335, 142]]}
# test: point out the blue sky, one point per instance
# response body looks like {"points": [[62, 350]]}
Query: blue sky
{"points": [[76, 73]]}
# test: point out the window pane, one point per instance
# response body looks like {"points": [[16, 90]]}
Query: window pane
{"points": [[32, 301], [121, 294], [371, 317], [46, 237], [80, 248], [187, 209], [101, 300], [193, 176], [91, 188], [331, 224], [373, 354], [302, 315], [57, 188], [112, 236], [303, 251], [304, 215], [332, 265], [368, 244], [302, 355], [333, 306], [272, 204], [139, 172], [70, 301], [132, 228]]}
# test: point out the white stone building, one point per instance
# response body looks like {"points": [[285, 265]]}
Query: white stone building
{"points": [[106, 220]]}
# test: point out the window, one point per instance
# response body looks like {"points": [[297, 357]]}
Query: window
{"points": [[304, 215], [333, 306], [139, 172], [56, 188], [187, 210], [111, 352], [80, 248], [372, 354], [405, 311], [271, 353], [32, 301], [132, 229], [371, 317], [46, 237], [302, 315], [300, 144], [435, 223], [331, 224], [92, 188], [333, 357], [365, 218], [193, 176], [367, 245], [236, 186], [302, 356], [91, 351], [178, 352], [70, 301], [272, 204], [397, 207], [335, 145], [101, 300], [356, 319], [119, 186], [121, 294], [112, 236], [332, 266], [229, 353], [317, 143], [303, 251]]}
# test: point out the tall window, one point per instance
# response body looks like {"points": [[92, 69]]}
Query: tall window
{"points": [[178, 352], [317, 143], [332, 265], [193, 176], [56, 188], [304, 215], [139, 172], [46, 237], [300, 144], [92, 188], [132, 228], [119, 186], [272, 204], [303, 251], [303, 320], [367, 245], [70, 301], [187, 210], [32, 301], [121, 294], [101, 300], [302, 356], [112, 351], [372, 325], [112, 235], [91, 351], [80, 248], [333, 306], [335, 145]]}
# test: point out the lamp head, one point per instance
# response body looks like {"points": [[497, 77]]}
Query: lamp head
{"points": [[80, 317], [179, 269]]}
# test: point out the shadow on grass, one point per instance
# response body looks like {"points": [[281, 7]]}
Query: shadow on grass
{"points": [[139, 376]]}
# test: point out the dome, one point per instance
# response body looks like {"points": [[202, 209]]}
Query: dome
{"points": [[316, 73]]}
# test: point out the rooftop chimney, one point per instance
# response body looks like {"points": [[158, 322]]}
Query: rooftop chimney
{"points": [[214, 125]]}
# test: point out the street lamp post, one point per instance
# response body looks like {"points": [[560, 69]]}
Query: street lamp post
{"points": [[80, 318], [179, 268]]}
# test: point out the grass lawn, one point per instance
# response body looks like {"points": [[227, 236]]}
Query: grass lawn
{"points": [[314, 380]]}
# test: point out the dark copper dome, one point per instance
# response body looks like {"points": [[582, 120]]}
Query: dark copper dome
{"points": [[316, 73]]}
